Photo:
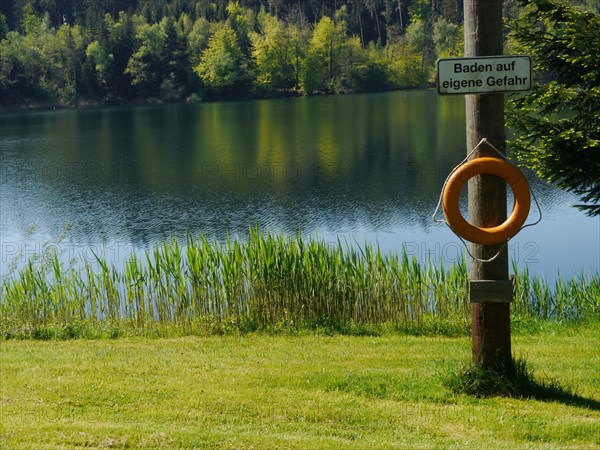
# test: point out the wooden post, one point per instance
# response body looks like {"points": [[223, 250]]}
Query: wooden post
{"points": [[487, 193]]}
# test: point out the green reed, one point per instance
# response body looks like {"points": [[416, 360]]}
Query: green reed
{"points": [[268, 281], [575, 299]]}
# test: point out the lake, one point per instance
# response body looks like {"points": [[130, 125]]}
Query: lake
{"points": [[356, 167]]}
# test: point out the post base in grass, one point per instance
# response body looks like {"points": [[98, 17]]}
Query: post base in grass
{"points": [[491, 344]]}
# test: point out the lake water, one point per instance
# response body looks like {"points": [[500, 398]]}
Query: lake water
{"points": [[357, 167]]}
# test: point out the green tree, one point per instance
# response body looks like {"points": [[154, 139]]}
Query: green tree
{"points": [[175, 61], [145, 65], [96, 53], [593, 5], [423, 10], [223, 67], [418, 40], [3, 26], [448, 39], [119, 44], [369, 70], [242, 21], [273, 52], [14, 84], [27, 63], [32, 23], [63, 54], [325, 57], [404, 65], [558, 123], [159, 66], [197, 40]]}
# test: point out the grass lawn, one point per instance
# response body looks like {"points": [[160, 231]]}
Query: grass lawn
{"points": [[308, 391]]}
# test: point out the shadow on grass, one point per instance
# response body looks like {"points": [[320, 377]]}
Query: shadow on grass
{"points": [[515, 380]]}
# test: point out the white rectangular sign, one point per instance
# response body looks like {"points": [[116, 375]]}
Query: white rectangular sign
{"points": [[483, 74]]}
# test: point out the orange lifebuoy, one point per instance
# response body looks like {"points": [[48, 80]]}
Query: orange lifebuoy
{"points": [[492, 166]]}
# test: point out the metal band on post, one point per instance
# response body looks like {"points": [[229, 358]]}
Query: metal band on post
{"points": [[491, 291]]}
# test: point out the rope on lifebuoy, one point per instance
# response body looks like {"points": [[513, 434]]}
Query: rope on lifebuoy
{"points": [[449, 200]]}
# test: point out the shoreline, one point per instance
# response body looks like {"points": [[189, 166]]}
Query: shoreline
{"points": [[191, 100]]}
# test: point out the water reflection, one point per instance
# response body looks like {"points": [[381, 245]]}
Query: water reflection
{"points": [[360, 167]]}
